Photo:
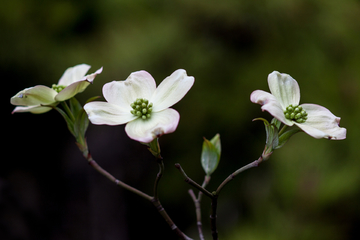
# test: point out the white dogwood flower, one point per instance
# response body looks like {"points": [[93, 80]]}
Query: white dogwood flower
{"points": [[37, 99], [283, 104], [143, 107]]}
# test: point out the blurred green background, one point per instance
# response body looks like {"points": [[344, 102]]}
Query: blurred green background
{"points": [[309, 189]]}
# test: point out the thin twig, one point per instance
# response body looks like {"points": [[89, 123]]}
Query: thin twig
{"points": [[167, 218], [197, 201], [192, 182], [154, 200], [96, 166], [158, 177], [213, 215], [213, 218], [234, 174]]}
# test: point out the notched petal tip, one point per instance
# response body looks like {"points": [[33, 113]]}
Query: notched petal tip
{"points": [[90, 78], [339, 133], [158, 132], [321, 123], [160, 123]]}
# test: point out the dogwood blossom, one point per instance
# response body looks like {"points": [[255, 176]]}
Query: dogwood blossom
{"points": [[37, 99], [283, 104], [137, 103]]}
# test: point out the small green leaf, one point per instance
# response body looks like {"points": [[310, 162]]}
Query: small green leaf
{"points": [[276, 123], [154, 148], [210, 156], [217, 143], [262, 119], [68, 120], [75, 106], [286, 136], [272, 136], [81, 124], [92, 99]]}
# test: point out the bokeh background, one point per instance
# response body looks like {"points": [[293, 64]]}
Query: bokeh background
{"points": [[309, 189]]}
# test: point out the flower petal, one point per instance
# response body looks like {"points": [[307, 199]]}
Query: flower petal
{"points": [[285, 89], [321, 123], [73, 74], [77, 87], [90, 77], [160, 123], [122, 93], [34, 96], [270, 104], [171, 90], [72, 90], [100, 113], [32, 109]]}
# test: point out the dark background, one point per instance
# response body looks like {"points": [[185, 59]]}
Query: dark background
{"points": [[309, 189]]}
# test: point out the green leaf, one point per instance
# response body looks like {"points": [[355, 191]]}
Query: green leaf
{"points": [[75, 106], [272, 136], [81, 121], [217, 143], [81, 124], [276, 123], [92, 99], [210, 156], [68, 120], [286, 136]]}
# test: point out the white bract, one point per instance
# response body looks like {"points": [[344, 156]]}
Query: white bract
{"points": [[283, 104], [38, 99], [137, 102]]}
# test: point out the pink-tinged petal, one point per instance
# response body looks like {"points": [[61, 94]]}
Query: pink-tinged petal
{"points": [[34, 96], [171, 90], [285, 89], [32, 109], [101, 113], [321, 123], [73, 74], [90, 78], [270, 104], [77, 87], [160, 123], [122, 93]]}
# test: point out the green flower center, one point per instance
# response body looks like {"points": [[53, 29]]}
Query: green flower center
{"points": [[296, 113], [58, 88], [141, 108]]}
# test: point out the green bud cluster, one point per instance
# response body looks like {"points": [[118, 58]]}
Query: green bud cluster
{"points": [[58, 88], [141, 108], [296, 113]]}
